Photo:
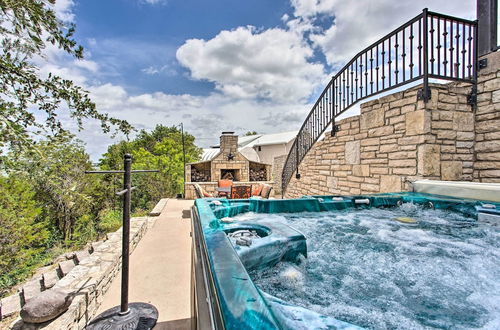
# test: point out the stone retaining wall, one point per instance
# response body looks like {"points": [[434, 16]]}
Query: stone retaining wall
{"points": [[398, 139], [487, 117], [91, 278]]}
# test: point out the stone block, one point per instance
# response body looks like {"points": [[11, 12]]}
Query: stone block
{"points": [[463, 121], [371, 119], [390, 183], [402, 163], [405, 170], [49, 279], [488, 146], [331, 182], [389, 147], [418, 122], [429, 160], [10, 305], [66, 266], [381, 131], [361, 170], [352, 152], [451, 170]]}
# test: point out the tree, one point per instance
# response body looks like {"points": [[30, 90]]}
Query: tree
{"points": [[30, 103], [22, 231], [249, 133], [57, 174], [159, 149]]}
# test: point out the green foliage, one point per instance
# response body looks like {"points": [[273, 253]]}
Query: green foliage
{"points": [[110, 220], [249, 133], [57, 175], [159, 149], [23, 232], [29, 103]]}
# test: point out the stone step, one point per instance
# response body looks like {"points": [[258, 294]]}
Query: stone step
{"points": [[10, 305], [80, 255], [66, 266], [49, 279], [156, 211], [30, 289]]}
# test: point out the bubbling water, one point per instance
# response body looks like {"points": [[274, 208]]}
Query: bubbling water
{"points": [[364, 267]]}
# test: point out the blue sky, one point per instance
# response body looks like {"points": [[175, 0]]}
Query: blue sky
{"points": [[219, 65]]}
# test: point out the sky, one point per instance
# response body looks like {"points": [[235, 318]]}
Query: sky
{"points": [[219, 65]]}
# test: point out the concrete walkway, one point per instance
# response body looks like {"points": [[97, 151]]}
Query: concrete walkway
{"points": [[160, 269]]}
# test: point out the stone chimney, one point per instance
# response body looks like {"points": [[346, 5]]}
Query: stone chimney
{"points": [[228, 143]]}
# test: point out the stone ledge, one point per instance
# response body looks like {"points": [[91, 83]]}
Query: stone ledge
{"points": [[90, 279]]}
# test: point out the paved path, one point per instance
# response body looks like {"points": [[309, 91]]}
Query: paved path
{"points": [[160, 269]]}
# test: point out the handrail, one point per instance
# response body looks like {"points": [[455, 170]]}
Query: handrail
{"points": [[431, 45]]}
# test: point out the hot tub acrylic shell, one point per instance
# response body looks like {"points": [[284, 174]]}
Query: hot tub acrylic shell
{"points": [[239, 303]]}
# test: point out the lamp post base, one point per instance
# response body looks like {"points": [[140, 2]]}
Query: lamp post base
{"points": [[141, 316]]}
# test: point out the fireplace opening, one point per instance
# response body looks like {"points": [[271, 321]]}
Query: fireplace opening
{"points": [[230, 174]]}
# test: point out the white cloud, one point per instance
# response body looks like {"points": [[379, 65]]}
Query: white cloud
{"points": [[358, 23], [164, 69], [246, 63], [154, 2], [63, 9]]}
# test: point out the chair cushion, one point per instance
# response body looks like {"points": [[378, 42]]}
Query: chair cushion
{"points": [[225, 183], [266, 190], [256, 189], [241, 192]]}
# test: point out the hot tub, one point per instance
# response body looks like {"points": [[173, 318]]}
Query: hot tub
{"points": [[405, 260]]}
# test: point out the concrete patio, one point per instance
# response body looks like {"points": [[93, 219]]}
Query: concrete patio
{"points": [[160, 269]]}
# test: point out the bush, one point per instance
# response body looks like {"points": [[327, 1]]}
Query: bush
{"points": [[109, 221]]}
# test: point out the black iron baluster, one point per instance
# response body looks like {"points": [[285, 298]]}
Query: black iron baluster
{"points": [[377, 68], [463, 51], [457, 52], [469, 66], [445, 33], [411, 51], [451, 48], [383, 64], [426, 92], [432, 45], [361, 76], [439, 46], [366, 73], [343, 90], [396, 46], [403, 55], [352, 83], [371, 70], [420, 46], [356, 79], [389, 61]]}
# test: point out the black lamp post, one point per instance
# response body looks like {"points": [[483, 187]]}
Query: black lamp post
{"points": [[140, 316]]}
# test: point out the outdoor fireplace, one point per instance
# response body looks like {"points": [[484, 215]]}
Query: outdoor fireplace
{"points": [[230, 174], [227, 164]]}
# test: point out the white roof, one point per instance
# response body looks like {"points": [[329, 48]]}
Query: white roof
{"points": [[209, 154], [276, 138], [245, 142]]}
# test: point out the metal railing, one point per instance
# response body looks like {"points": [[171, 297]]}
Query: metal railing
{"points": [[431, 45]]}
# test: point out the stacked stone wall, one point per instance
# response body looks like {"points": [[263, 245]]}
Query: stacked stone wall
{"points": [[395, 140], [487, 122]]}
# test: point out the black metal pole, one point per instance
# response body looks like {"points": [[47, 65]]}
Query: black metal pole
{"points": [[426, 92], [136, 315], [487, 26], [184, 161], [127, 165]]}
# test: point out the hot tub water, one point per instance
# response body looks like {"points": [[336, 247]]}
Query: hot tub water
{"points": [[366, 267]]}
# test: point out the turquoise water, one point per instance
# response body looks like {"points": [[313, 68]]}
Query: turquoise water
{"points": [[369, 269]]}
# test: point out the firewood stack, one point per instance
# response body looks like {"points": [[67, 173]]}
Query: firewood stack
{"points": [[259, 174], [199, 176]]}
